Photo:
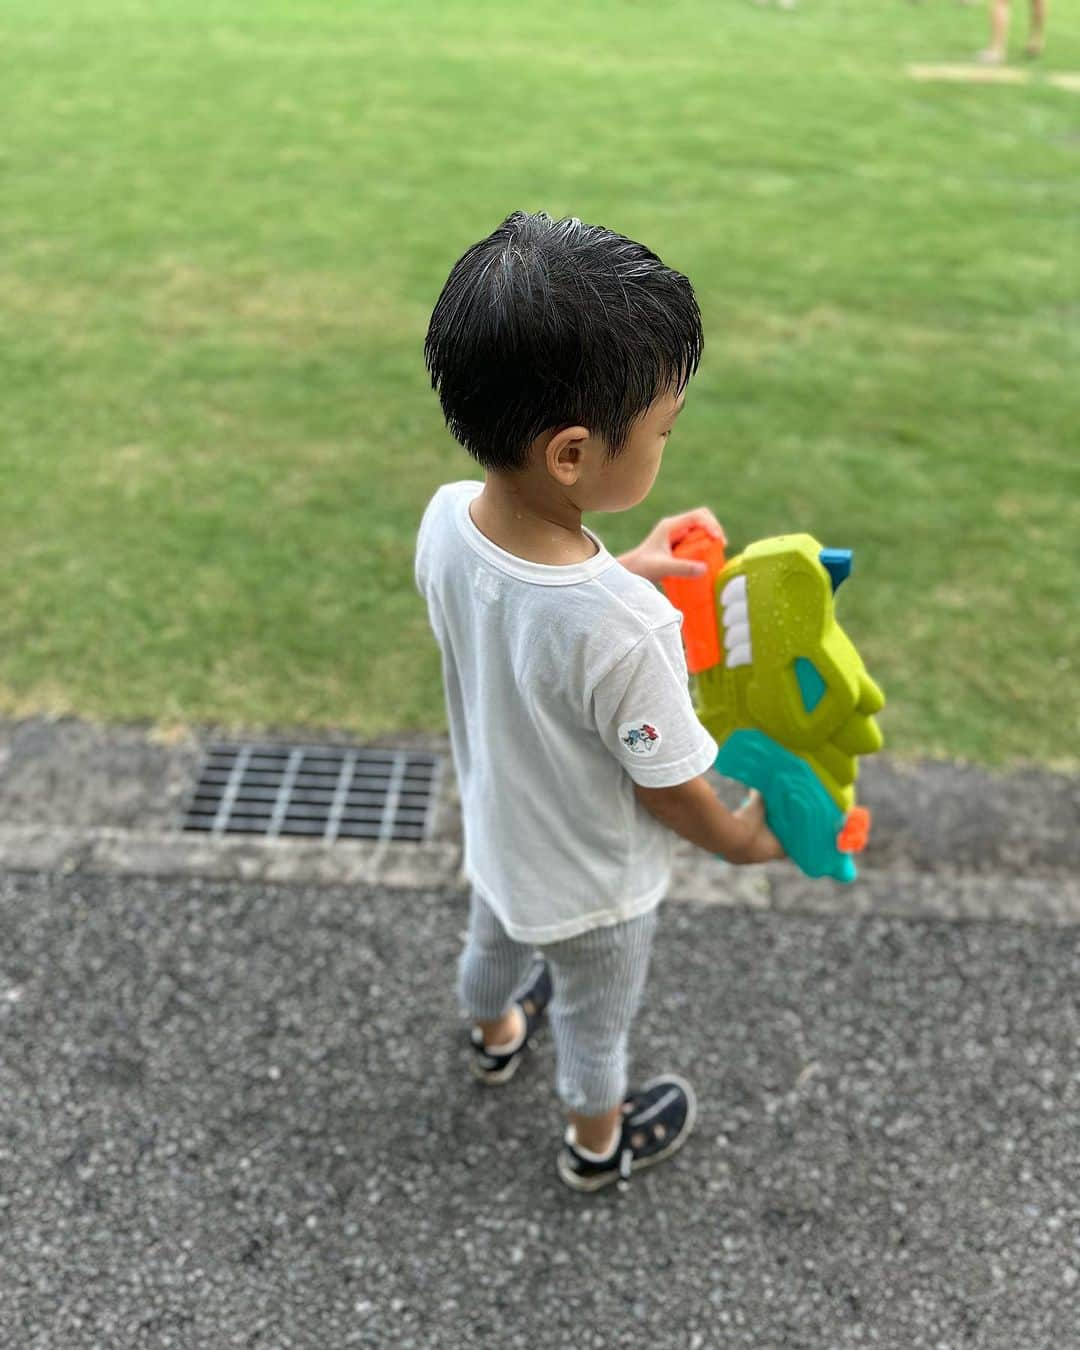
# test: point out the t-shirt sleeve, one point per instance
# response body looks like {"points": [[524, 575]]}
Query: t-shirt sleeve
{"points": [[645, 716], [420, 554]]}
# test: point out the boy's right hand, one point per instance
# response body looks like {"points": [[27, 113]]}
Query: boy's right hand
{"points": [[693, 810], [761, 844]]}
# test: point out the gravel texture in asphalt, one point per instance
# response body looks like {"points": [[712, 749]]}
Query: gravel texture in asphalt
{"points": [[240, 1115]]}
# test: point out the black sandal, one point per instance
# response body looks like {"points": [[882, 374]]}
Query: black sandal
{"points": [[533, 1000], [656, 1122]]}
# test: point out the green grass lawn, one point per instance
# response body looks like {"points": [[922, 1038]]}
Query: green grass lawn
{"points": [[225, 226]]}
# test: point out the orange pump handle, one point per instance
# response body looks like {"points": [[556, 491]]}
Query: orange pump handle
{"points": [[696, 596]]}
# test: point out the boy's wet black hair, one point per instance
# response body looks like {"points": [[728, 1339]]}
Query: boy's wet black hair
{"points": [[553, 323]]}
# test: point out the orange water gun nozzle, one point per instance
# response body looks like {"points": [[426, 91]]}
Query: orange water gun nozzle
{"points": [[856, 832]]}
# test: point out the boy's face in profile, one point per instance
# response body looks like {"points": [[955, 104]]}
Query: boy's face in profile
{"points": [[597, 483]]}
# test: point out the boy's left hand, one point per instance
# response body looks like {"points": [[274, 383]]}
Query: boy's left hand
{"points": [[653, 557]]}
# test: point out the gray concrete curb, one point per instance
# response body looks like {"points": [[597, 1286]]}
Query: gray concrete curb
{"points": [[949, 840], [698, 878]]}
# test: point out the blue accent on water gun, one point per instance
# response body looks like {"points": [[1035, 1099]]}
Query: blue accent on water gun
{"points": [[837, 562], [811, 685]]}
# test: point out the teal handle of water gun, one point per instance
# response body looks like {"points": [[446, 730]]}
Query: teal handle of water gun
{"points": [[798, 810]]}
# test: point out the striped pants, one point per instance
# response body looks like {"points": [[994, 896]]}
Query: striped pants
{"points": [[598, 979]]}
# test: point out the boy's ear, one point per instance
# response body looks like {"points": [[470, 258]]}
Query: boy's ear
{"points": [[564, 452]]}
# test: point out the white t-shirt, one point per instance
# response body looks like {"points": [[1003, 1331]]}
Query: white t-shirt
{"points": [[564, 687]]}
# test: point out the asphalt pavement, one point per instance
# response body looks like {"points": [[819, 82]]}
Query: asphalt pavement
{"points": [[239, 1114]]}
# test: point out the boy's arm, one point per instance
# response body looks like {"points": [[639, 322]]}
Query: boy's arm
{"points": [[693, 811], [644, 715]]}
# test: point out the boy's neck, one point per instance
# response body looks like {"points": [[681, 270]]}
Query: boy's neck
{"points": [[531, 522]]}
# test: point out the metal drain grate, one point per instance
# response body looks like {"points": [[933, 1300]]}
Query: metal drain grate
{"points": [[316, 791]]}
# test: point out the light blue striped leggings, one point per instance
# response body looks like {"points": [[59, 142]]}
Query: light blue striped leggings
{"points": [[598, 978]]}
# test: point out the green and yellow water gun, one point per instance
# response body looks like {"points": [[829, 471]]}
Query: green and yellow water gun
{"points": [[779, 685]]}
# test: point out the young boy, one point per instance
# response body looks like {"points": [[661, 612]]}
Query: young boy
{"points": [[561, 352]]}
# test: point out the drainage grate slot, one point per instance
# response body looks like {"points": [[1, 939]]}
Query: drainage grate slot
{"points": [[321, 792]]}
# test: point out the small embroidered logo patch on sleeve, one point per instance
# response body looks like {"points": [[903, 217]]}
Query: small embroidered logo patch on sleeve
{"points": [[640, 738]]}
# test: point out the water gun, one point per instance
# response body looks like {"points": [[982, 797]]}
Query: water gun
{"points": [[779, 685]]}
